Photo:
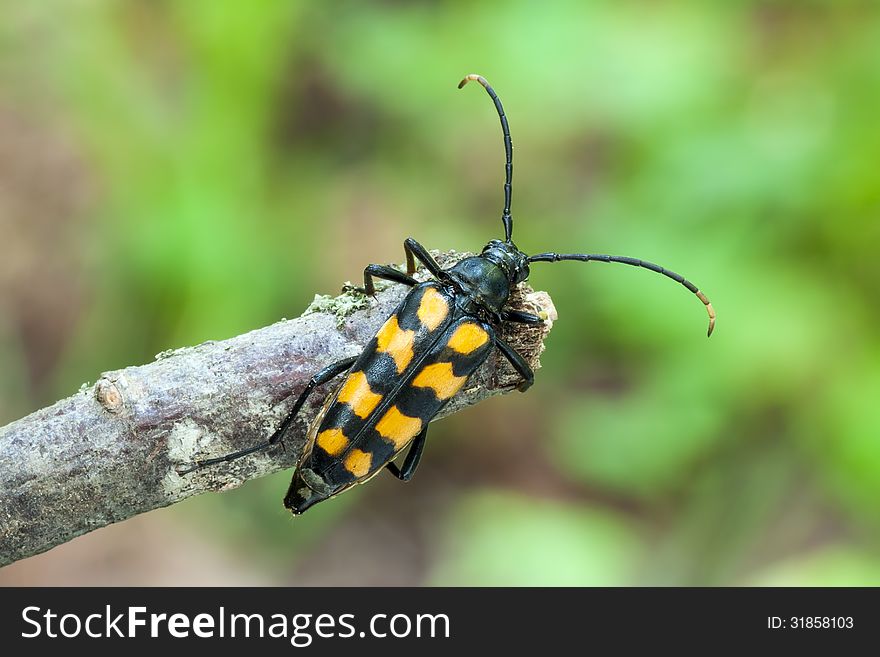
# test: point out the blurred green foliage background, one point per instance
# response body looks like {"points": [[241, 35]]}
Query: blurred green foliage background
{"points": [[172, 172]]}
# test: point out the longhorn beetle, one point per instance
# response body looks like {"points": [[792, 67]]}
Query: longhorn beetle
{"points": [[424, 353]]}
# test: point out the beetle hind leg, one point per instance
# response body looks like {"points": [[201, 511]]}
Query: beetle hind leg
{"points": [[411, 462], [322, 377]]}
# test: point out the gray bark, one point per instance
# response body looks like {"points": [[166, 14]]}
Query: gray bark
{"points": [[112, 450]]}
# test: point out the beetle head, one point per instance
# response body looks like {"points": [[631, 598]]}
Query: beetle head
{"points": [[512, 261]]}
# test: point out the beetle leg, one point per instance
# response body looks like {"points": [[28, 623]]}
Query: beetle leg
{"points": [[520, 317], [519, 364], [386, 273], [322, 377], [415, 250], [411, 462]]}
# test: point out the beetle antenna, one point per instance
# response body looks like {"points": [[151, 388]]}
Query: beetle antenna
{"points": [[506, 219], [635, 262]]}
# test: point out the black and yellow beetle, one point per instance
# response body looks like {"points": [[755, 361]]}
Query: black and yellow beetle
{"points": [[424, 353]]}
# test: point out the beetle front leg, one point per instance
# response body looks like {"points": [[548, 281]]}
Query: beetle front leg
{"points": [[519, 364], [322, 377], [520, 317], [411, 462], [414, 251], [386, 273]]}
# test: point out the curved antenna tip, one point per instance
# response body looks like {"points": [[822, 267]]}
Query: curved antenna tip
{"points": [[472, 76], [508, 150], [710, 310]]}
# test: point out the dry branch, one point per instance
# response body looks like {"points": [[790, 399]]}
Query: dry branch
{"points": [[110, 451]]}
